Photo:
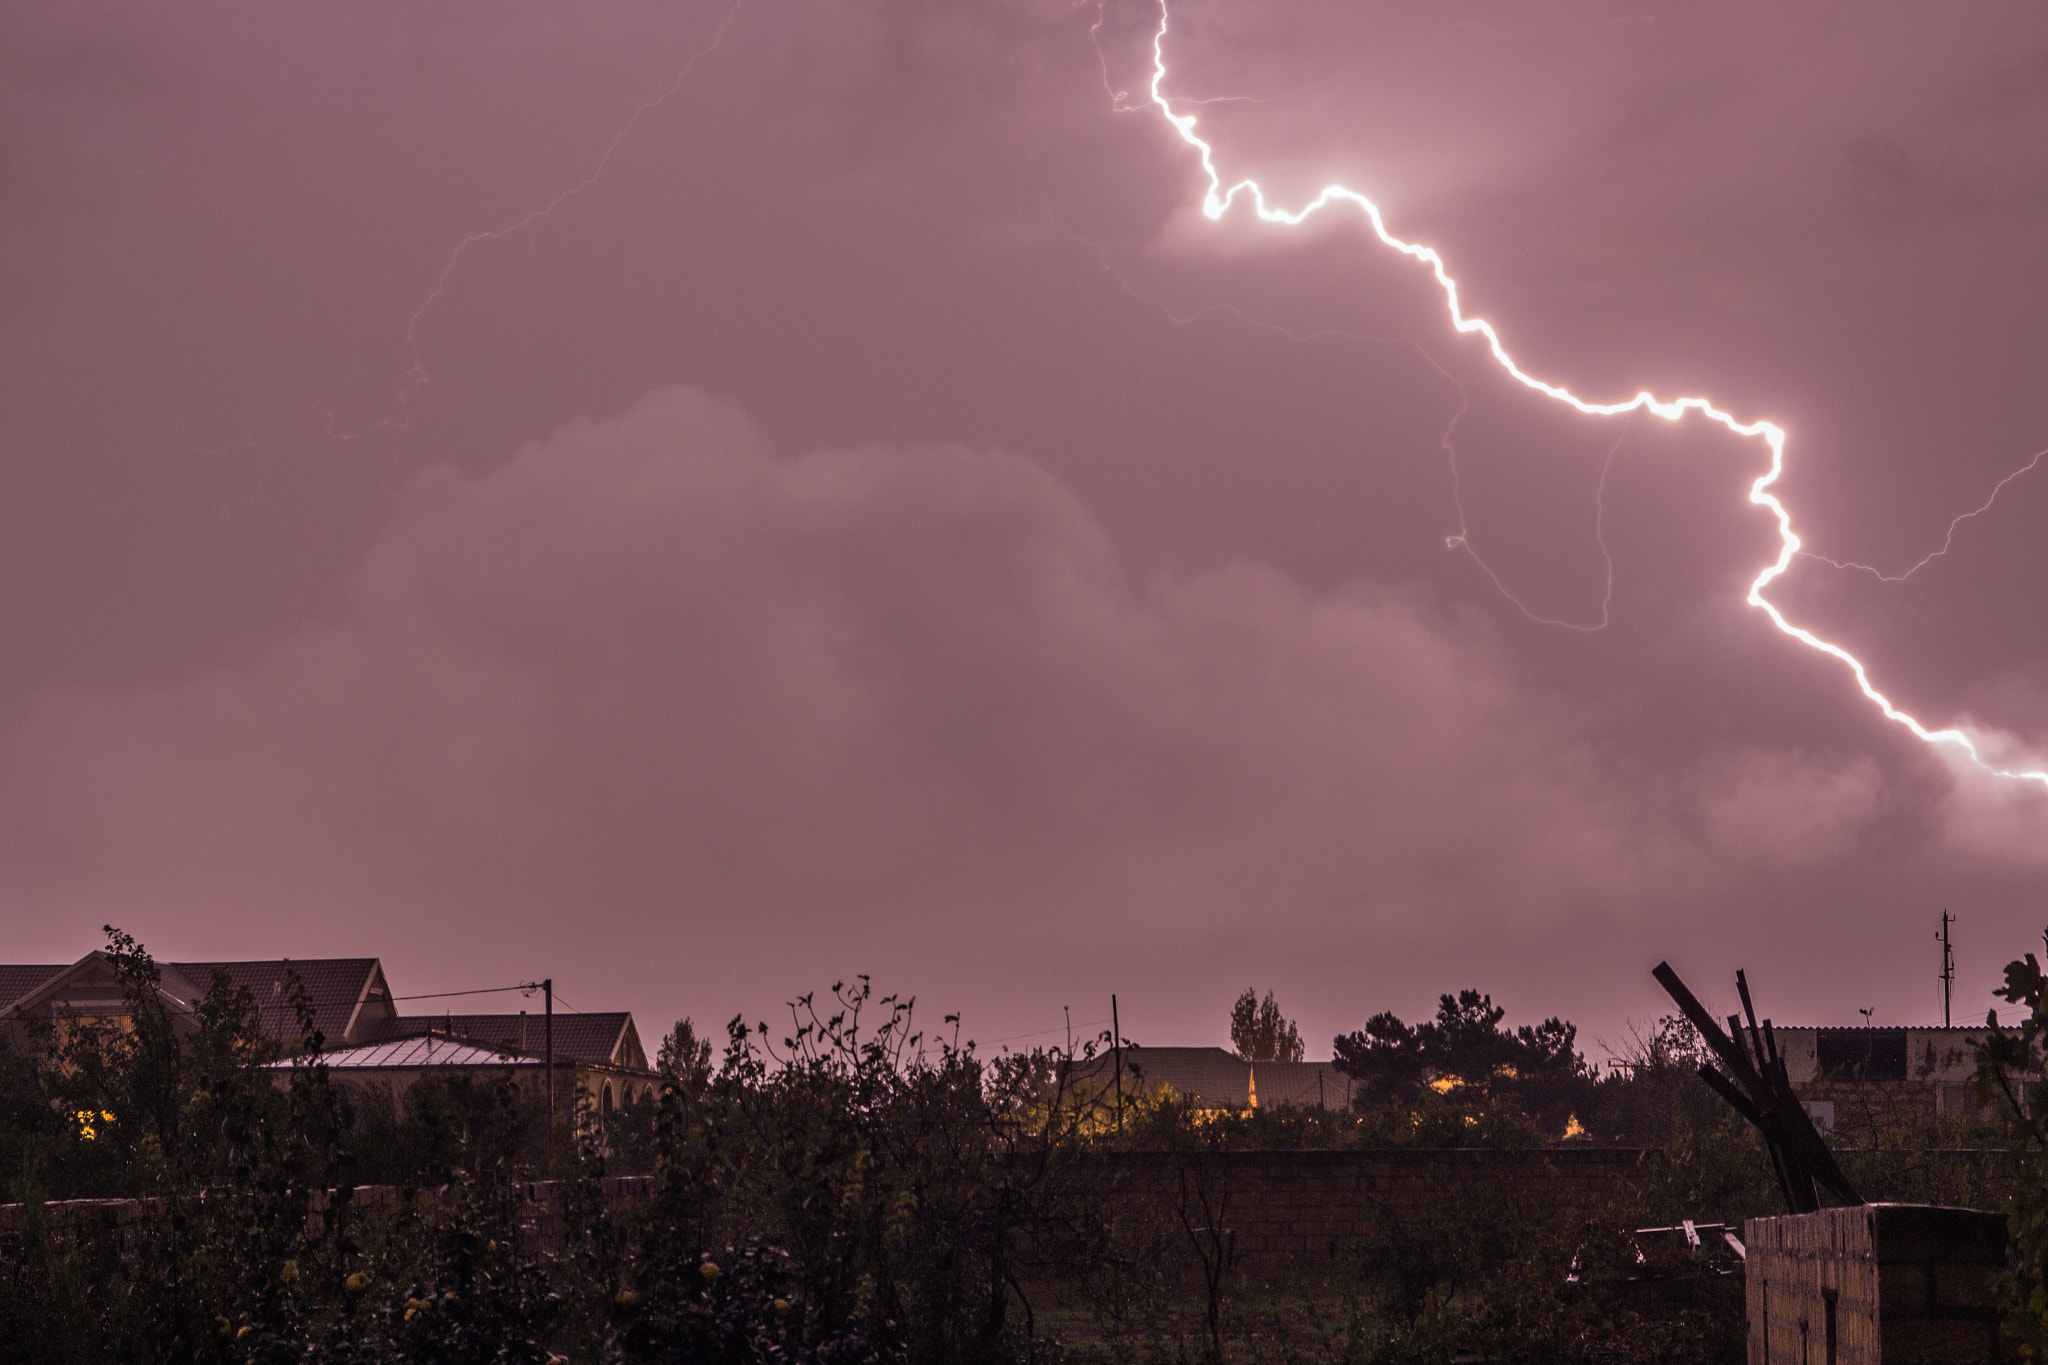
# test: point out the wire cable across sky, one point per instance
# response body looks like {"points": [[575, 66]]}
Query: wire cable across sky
{"points": [[1217, 201]]}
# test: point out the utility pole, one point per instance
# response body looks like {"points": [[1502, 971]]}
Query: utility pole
{"points": [[548, 987], [1116, 1045], [1948, 967]]}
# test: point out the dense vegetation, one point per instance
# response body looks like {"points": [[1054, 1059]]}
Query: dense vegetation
{"points": [[843, 1190], [2011, 1079]]}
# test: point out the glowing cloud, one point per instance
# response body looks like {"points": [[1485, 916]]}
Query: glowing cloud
{"points": [[1217, 201]]}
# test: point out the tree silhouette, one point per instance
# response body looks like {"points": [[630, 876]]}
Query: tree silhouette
{"points": [[1260, 1033]]}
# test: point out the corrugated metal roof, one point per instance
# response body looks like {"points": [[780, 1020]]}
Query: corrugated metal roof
{"points": [[579, 1037], [1878, 1028], [420, 1052]]}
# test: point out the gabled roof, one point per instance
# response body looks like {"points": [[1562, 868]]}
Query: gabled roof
{"points": [[335, 987], [338, 989], [94, 980], [601, 1039]]}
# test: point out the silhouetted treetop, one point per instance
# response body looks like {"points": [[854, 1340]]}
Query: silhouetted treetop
{"points": [[1465, 1044], [1260, 1033]]}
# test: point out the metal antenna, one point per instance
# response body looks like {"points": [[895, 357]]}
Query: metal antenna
{"points": [[1948, 967]]}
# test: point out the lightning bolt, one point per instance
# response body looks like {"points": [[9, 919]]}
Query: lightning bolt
{"points": [[1217, 200], [416, 373], [1947, 542]]}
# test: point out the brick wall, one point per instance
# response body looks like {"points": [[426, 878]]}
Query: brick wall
{"points": [[1280, 1208], [115, 1223]]}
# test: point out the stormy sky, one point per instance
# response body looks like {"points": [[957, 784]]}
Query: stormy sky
{"points": [[701, 500]]}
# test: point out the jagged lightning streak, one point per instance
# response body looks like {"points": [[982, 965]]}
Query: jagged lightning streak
{"points": [[416, 372], [1461, 539], [1217, 200], [1947, 542]]}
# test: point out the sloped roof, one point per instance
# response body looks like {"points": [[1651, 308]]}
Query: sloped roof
{"points": [[17, 981], [95, 981], [423, 1051], [334, 986], [595, 1038]]}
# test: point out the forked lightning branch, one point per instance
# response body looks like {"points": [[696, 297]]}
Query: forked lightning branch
{"points": [[1217, 200]]}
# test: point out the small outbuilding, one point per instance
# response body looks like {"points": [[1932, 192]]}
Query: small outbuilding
{"points": [[1875, 1284]]}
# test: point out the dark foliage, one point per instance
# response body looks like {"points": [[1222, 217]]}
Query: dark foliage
{"points": [[1536, 1070], [2010, 1077], [849, 1192], [1261, 1033]]}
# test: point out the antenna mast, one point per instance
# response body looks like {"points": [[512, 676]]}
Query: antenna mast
{"points": [[1948, 967]]}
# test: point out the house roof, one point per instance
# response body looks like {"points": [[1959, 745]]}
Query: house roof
{"points": [[423, 1051], [94, 981], [338, 988], [601, 1039], [335, 987], [1879, 1028], [18, 981]]}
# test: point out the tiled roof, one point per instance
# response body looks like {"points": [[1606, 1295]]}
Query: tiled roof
{"points": [[579, 1037], [425, 1050], [333, 986], [17, 981]]}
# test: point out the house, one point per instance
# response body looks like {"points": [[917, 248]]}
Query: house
{"points": [[1212, 1078], [367, 1043], [1924, 1071], [349, 995]]}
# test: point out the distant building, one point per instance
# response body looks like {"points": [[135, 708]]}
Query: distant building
{"points": [[1927, 1071], [368, 1043], [1213, 1078], [349, 996]]}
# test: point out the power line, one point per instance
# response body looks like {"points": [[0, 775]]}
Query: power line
{"points": [[1041, 1033], [528, 987]]}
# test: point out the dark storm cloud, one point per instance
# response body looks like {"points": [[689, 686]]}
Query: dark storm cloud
{"points": [[1036, 614], [653, 671]]}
